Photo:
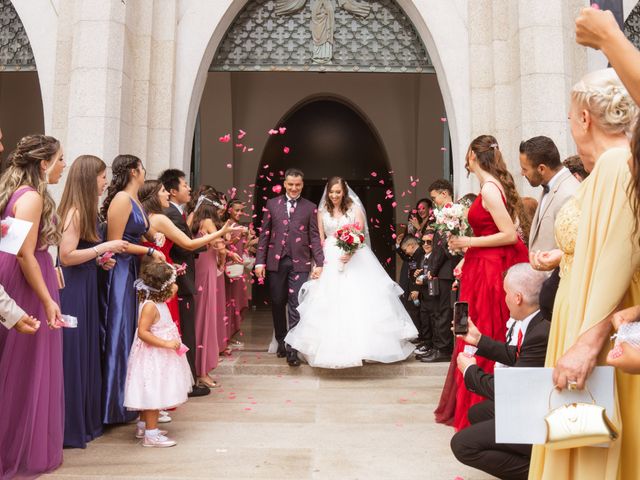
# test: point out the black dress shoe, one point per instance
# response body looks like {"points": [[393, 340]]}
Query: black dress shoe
{"points": [[199, 391], [292, 359], [282, 351], [436, 356]]}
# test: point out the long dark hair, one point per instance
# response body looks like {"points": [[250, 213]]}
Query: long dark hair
{"points": [[346, 201], [121, 169], [148, 196], [81, 193], [206, 210], [489, 157]]}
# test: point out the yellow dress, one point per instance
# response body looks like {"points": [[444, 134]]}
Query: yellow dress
{"points": [[598, 272]]}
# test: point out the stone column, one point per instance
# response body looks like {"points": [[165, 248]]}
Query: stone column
{"points": [[524, 60], [96, 78]]}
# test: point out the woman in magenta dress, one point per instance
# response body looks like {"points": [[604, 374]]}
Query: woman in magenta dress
{"points": [[31, 385], [236, 287], [210, 298], [495, 216], [155, 198]]}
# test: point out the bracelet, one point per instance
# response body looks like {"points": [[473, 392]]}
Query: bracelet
{"points": [[97, 252], [150, 251]]}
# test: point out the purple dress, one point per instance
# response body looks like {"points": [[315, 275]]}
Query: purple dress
{"points": [[31, 388]]}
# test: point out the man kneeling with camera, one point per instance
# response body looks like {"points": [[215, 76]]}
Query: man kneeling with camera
{"points": [[526, 346]]}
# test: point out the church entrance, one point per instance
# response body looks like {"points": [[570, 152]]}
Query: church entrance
{"points": [[361, 101], [331, 138]]}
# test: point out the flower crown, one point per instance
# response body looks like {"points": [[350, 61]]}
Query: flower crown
{"points": [[140, 285], [204, 198]]}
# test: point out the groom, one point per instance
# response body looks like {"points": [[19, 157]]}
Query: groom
{"points": [[289, 239]]}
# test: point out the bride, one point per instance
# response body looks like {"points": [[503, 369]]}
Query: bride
{"points": [[353, 311]]}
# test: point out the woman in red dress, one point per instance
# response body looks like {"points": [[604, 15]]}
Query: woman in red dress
{"points": [[154, 198], [496, 217]]}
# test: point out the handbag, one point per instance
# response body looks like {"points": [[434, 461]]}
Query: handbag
{"points": [[578, 424], [59, 272]]}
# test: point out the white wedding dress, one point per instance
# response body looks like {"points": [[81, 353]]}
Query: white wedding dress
{"points": [[351, 315]]}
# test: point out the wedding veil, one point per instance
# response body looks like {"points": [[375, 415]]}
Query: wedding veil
{"points": [[356, 202]]}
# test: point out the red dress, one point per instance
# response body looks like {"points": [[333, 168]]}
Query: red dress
{"points": [[482, 286], [172, 303]]}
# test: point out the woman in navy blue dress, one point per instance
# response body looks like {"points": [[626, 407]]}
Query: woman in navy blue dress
{"points": [[126, 220], [80, 254]]}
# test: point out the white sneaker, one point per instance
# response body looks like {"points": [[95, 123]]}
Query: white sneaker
{"points": [[158, 441], [140, 432], [164, 417]]}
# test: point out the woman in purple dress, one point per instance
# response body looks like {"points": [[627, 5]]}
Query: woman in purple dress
{"points": [[81, 254], [31, 392]]}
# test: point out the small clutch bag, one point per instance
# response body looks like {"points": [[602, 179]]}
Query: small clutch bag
{"points": [[578, 424], [60, 277]]}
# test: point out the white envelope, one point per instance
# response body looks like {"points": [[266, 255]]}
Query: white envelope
{"points": [[522, 401], [18, 231]]}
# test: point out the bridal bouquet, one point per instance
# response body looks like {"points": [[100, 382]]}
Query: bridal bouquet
{"points": [[349, 238], [451, 220]]}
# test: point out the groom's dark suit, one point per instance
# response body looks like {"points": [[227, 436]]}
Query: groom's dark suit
{"points": [[289, 241], [186, 287]]}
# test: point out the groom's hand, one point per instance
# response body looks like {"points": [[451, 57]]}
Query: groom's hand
{"points": [[260, 271], [315, 273]]}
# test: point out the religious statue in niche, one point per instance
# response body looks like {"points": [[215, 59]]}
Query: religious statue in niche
{"points": [[323, 21]]}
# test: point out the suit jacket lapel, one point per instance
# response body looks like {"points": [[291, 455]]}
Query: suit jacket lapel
{"points": [[550, 196], [532, 325]]}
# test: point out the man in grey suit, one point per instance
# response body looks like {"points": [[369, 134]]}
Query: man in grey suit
{"points": [[541, 166]]}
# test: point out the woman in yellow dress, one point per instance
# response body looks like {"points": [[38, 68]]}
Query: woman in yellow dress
{"points": [[599, 255]]}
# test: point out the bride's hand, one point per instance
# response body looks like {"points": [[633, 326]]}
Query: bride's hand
{"points": [[345, 258]]}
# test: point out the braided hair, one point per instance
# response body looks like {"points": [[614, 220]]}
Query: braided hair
{"points": [[121, 170]]}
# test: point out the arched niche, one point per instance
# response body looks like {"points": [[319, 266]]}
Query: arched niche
{"points": [[326, 136], [21, 106]]}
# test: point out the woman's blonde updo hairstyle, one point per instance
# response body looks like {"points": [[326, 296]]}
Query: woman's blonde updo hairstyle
{"points": [[603, 95]]}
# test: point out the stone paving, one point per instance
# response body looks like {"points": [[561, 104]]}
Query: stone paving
{"points": [[269, 421]]}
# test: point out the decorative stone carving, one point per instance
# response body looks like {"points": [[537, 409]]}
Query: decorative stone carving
{"points": [[322, 21], [15, 49], [632, 26], [346, 35]]}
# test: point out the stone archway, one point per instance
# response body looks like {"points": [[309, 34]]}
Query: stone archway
{"points": [[40, 21], [441, 26], [21, 96]]}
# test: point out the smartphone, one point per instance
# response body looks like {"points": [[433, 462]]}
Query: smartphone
{"points": [[461, 318]]}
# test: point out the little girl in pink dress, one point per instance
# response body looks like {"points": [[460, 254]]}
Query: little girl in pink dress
{"points": [[158, 375]]}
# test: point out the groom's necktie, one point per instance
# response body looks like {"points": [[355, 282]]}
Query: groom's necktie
{"points": [[292, 207]]}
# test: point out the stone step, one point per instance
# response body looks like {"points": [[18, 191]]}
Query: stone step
{"points": [[262, 363]]}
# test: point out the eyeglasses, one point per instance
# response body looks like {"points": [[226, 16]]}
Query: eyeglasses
{"points": [[428, 242]]}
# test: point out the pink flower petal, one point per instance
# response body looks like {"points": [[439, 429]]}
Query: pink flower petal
{"points": [[241, 134], [286, 150]]}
